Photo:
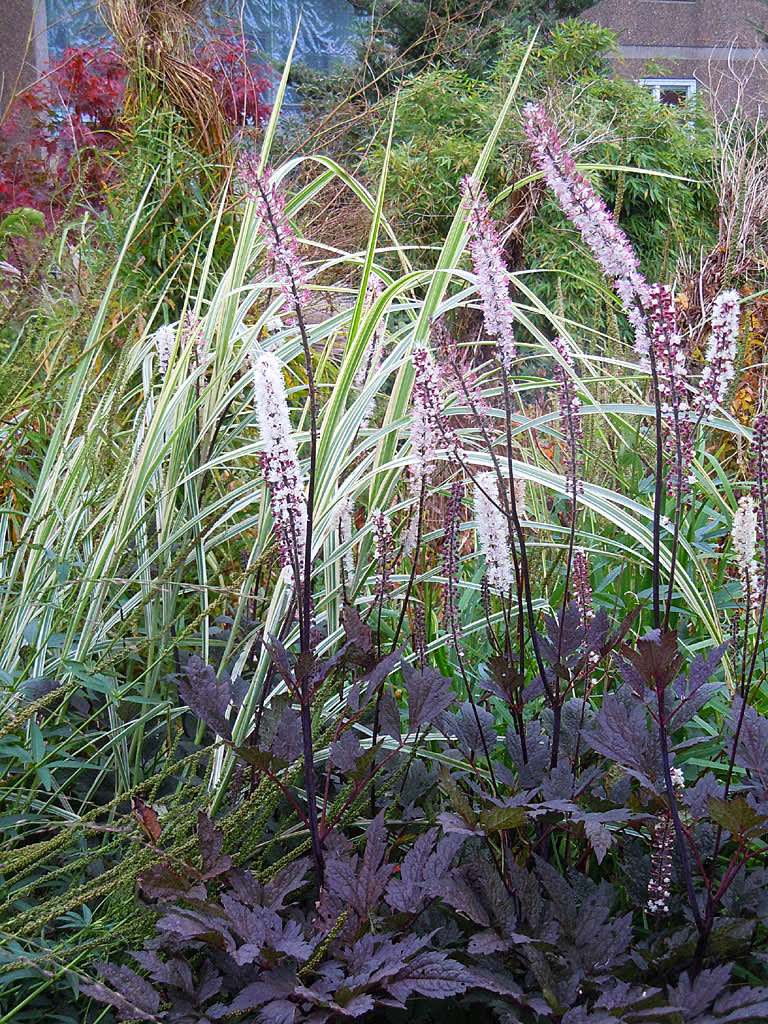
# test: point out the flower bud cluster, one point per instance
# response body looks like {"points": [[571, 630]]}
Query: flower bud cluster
{"points": [[451, 615], [385, 546], [679, 403], [582, 586], [662, 845]]}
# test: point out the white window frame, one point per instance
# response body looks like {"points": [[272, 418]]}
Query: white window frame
{"points": [[658, 85]]}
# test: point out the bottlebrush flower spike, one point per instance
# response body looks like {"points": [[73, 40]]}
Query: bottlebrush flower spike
{"points": [[490, 269], [744, 540], [721, 351], [279, 236], [679, 402], [492, 533], [587, 212], [280, 463], [164, 339]]}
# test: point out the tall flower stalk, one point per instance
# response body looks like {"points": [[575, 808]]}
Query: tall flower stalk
{"points": [[282, 248]]}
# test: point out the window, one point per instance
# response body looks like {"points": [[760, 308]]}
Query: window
{"points": [[675, 92]]}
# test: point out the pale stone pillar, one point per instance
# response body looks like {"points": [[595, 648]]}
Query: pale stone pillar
{"points": [[23, 45]]}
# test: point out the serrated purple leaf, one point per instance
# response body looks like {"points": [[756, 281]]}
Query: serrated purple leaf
{"points": [[346, 751], [429, 693], [280, 1011], [207, 695], [160, 882], [752, 749], [211, 841], [378, 675], [620, 732], [430, 974], [389, 716], [136, 993], [286, 743], [173, 971], [473, 737], [273, 985], [291, 878]]}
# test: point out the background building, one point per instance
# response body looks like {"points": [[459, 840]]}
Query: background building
{"points": [[680, 46]]}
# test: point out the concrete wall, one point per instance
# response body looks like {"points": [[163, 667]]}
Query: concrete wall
{"points": [[711, 41], [23, 45]]}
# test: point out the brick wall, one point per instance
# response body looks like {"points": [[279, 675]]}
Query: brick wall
{"points": [[711, 41]]}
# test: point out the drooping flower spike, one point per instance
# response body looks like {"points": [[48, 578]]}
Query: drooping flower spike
{"points": [[587, 212]]}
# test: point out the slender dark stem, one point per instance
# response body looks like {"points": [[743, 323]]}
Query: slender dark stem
{"points": [[675, 813], [658, 494], [303, 580]]}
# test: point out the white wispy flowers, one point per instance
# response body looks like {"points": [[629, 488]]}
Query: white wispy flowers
{"points": [[164, 339], [341, 520], [280, 463], [492, 532], [744, 539], [721, 350]]}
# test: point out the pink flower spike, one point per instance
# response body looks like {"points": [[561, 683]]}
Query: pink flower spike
{"points": [[280, 463], [490, 269], [279, 236], [570, 417], [587, 212], [721, 351]]}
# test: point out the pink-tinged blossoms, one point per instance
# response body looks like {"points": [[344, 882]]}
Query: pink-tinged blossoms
{"points": [[279, 236], [280, 464], [492, 533], [679, 404], [490, 269], [570, 416], [587, 212], [721, 351]]}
